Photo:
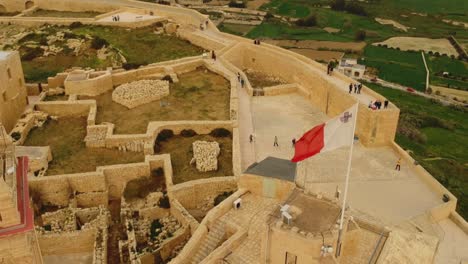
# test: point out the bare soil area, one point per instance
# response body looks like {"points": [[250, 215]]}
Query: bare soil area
{"points": [[319, 55], [315, 44], [442, 46]]}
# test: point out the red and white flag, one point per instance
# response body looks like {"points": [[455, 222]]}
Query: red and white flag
{"points": [[333, 134]]}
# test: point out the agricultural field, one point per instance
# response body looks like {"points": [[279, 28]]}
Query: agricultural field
{"points": [[437, 137]]}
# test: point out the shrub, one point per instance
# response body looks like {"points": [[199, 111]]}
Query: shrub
{"points": [[221, 197], [164, 202], [437, 54], [338, 5], [69, 35], [310, 21], [76, 24], [355, 8], [97, 43], [429, 90], [31, 53], [164, 135], [360, 35], [220, 132], [237, 4], [47, 227], [431, 52], [188, 133], [16, 135], [155, 229], [437, 93], [268, 15], [168, 78], [130, 66]]}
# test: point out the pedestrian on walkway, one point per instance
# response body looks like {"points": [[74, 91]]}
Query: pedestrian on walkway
{"points": [[328, 68], [398, 165], [385, 105], [355, 88], [359, 88], [275, 143], [350, 88], [293, 142], [251, 138], [201, 26], [242, 83], [238, 77], [213, 55], [206, 23]]}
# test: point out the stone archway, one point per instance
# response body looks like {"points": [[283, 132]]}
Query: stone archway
{"points": [[2, 9], [29, 4]]}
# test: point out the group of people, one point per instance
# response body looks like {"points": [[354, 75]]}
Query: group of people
{"points": [[378, 104], [330, 68], [357, 88], [275, 141], [116, 18], [256, 42]]}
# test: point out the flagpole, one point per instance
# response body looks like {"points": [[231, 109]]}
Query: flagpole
{"points": [[343, 208]]}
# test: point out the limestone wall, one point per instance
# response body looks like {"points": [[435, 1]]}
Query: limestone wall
{"points": [[90, 86], [66, 108], [20, 248], [13, 5], [13, 95], [316, 86], [81, 241], [193, 193], [255, 185]]}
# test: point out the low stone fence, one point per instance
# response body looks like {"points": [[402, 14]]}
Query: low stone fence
{"points": [[280, 89], [91, 86], [442, 211]]}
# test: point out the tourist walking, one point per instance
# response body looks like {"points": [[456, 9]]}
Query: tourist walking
{"points": [[293, 142], [242, 82], [359, 88], [275, 143], [398, 165], [238, 77], [251, 138], [385, 104], [213, 55], [350, 88], [355, 88]]}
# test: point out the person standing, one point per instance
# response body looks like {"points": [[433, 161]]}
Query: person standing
{"points": [[275, 143], [213, 55], [251, 138], [355, 88], [350, 88], [238, 77], [242, 82], [359, 88], [385, 104], [398, 165], [293, 142]]}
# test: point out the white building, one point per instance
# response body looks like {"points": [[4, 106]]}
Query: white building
{"points": [[351, 68]]}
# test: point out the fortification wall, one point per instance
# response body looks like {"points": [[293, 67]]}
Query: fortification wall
{"points": [[193, 193], [81, 241], [91, 87]]}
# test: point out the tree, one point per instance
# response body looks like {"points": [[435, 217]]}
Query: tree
{"points": [[310, 21], [338, 5], [360, 35]]}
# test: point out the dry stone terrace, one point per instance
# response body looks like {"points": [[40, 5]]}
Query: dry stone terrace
{"points": [[131, 170]]}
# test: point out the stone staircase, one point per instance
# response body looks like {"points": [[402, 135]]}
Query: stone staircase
{"points": [[215, 237]]}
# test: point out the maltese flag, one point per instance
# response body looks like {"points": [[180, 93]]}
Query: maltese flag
{"points": [[335, 133]]}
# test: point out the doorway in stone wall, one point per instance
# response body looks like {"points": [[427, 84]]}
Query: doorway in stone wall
{"points": [[28, 4]]}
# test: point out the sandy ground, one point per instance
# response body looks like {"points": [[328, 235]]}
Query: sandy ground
{"points": [[461, 95], [315, 44], [392, 23], [321, 55], [375, 187], [79, 258], [442, 46], [128, 17], [255, 4]]}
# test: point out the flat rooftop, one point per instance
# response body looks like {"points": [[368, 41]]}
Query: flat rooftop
{"points": [[313, 215]]}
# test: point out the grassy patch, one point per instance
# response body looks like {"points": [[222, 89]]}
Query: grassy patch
{"points": [[236, 29], [139, 46], [405, 68], [65, 137], [189, 99], [458, 72], [181, 152], [445, 151]]}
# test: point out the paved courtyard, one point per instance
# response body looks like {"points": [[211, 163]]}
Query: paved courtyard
{"points": [[375, 187]]}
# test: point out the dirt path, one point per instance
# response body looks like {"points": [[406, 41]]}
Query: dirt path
{"points": [[115, 233], [256, 4]]}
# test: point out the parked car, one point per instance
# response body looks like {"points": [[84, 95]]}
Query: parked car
{"points": [[409, 89]]}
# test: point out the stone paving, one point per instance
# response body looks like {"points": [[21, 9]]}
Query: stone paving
{"points": [[453, 247], [375, 187], [252, 216]]}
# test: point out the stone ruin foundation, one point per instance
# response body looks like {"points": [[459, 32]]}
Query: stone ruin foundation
{"points": [[205, 155], [141, 92]]}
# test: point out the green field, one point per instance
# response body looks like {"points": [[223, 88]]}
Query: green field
{"points": [[455, 67], [437, 137], [405, 68]]}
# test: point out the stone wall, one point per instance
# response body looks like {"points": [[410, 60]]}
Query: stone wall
{"points": [[255, 185], [72, 242], [90, 86], [13, 95]]}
